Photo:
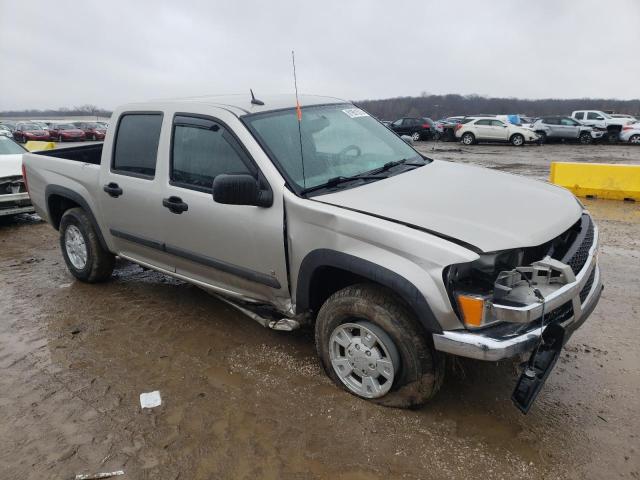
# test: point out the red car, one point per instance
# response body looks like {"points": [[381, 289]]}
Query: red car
{"points": [[29, 131], [66, 131], [92, 130]]}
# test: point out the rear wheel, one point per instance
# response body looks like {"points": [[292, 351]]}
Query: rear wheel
{"points": [[415, 136], [369, 344], [585, 138], [517, 140], [81, 249], [468, 138], [634, 139]]}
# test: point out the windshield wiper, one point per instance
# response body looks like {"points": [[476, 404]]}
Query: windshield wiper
{"points": [[395, 163], [335, 181]]}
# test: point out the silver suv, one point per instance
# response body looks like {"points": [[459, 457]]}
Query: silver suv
{"points": [[565, 128], [323, 217]]}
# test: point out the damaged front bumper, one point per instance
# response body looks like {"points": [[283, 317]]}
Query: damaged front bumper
{"points": [[568, 305], [15, 203]]}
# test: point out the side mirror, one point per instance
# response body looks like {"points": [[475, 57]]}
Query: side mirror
{"points": [[241, 189], [407, 139]]}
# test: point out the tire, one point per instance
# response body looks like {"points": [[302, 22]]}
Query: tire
{"points": [[517, 140], [415, 136], [635, 139], [543, 137], [585, 138], [418, 370], [76, 233], [468, 138]]}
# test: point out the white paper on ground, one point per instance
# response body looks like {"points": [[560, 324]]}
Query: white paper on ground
{"points": [[150, 399]]}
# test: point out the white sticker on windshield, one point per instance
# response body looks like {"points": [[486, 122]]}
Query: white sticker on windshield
{"points": [[355, 112]]}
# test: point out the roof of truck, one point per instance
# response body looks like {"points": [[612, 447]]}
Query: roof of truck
{"points": [[240, 104]]}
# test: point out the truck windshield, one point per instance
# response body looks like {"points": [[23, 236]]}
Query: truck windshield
{"points": [[337, 141]]}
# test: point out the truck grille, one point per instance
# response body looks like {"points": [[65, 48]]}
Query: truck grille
{"points": [[560, 314], [581, 255], [584, 293]]}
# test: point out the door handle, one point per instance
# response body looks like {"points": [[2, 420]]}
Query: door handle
{"points": [[175, 205], [113, 189]]}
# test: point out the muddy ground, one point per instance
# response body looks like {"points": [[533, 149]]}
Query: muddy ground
{"points": [[242, 402]]}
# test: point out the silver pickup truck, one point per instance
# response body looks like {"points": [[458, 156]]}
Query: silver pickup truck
{"points": [[322, 216]]}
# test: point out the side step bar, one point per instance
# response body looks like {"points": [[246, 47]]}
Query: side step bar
{"points": [[274, 323]]}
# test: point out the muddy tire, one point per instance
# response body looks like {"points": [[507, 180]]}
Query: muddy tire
{"points": [[418, 370], [585, 138], [416, 137], [517, 140], [81, 249]]}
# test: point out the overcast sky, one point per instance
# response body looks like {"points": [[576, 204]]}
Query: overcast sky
{"points": [[67, 53]]}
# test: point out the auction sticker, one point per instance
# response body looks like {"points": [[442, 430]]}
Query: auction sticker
{"points": [[355, 112]]}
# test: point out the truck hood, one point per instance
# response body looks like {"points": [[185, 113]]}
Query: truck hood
{"points": [[10, 165], [475, 206]]}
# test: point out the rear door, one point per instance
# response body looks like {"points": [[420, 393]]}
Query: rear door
{"points": [[237, 248], [553, 127], [131, 190]]}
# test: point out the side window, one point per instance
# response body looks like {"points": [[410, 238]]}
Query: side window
{"points": [[201, 150], [483, 122], [579, 115], [568, 122], [594, 116], [497, 123], [397, 123], [136, 145], [551, 121]]}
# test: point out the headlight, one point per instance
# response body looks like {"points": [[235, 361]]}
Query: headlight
{"points": [[471, 285]]}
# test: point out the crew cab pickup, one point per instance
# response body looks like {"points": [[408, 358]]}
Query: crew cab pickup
{"points": [[602, 121], [321, 216]]}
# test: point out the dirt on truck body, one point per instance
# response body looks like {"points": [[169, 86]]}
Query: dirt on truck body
{"points": [[239, 401]]}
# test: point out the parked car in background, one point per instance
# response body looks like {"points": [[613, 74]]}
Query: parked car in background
{"points": [[14, 198], [565, 128], [66, 132], [599, 119], [92, 130], [417, 128], [26, 131], [11, 125], [490, 129], [631, 133], [446, 127], [624, 116]]}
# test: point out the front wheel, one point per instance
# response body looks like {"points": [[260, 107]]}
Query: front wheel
{"points": [[517, 140], [415, 136], [586, 138], [81, 249], [635, 139], [369, 344]]}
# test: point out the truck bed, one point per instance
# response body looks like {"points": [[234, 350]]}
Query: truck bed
{"points": [[85, 153]]}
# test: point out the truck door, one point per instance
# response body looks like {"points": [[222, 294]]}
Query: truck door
{"points": [[131, 191], [237, 248]]}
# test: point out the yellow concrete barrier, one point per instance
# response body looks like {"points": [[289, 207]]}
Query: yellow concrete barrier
{"points": [[35, 145], [599, 180]]}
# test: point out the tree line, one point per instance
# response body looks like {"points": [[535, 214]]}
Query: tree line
{"points": [[440, 106], [58, 112]]}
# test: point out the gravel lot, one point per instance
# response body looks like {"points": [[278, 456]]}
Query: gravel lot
{"points": [[242, 402]]}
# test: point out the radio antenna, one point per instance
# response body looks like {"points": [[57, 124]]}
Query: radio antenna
{"points": [[299, 116]]}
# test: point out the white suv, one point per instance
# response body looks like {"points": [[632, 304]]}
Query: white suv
{"points": [[489, 129]]}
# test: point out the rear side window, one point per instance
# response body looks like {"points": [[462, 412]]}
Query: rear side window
{"points": [[579, 115], [136, 145], [483, 122], [551, 121], [201, 150]]}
